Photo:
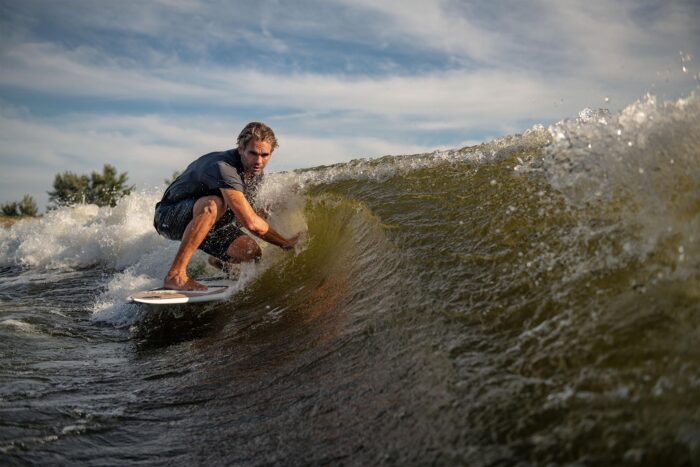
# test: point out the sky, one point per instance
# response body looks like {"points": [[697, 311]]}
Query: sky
{"points": [[148, 86]]}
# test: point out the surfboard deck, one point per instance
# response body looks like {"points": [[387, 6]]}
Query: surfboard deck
{"points": [[218, 289]]}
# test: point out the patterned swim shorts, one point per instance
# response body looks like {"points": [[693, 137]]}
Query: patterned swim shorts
{"points": [[171, 220]]}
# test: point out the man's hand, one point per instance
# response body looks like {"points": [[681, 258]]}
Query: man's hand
{"points": [[292, 241], [236, 201]]}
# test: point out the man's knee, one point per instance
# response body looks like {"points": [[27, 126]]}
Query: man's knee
{"points": [[210, 206], [244, 248]]}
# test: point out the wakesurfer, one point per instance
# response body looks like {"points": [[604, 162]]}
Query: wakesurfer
{"points": [[204, 206]]}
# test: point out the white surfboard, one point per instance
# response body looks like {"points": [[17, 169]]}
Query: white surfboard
{"points": [[217, 289]]}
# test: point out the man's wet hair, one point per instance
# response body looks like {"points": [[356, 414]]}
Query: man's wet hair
{"points": [[259, 131]]}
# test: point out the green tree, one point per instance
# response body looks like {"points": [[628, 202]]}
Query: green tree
{"points": [[10, 209], [28, 207], [68, 189], [102, 189], [108, 187]]}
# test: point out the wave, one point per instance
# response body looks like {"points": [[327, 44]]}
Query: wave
{"points": [[631, 178], [542, 278]]}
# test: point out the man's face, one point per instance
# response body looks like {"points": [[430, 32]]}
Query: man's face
{"points": [[256, 156]]}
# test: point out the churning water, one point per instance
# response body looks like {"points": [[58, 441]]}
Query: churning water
{"points": [[534, 299]]}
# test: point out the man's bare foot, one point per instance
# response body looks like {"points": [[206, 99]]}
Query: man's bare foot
{"points": [[182, 282]]}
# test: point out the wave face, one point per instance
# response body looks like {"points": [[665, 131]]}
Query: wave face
{"points": [[532, 299]]}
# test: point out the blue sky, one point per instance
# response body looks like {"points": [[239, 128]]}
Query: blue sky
{"points": [[149, 86]]}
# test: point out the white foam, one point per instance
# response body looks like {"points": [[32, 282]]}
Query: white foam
{"points": [[379, 169], [640, 168], [149, 256], [84, 235], [21, 326]]}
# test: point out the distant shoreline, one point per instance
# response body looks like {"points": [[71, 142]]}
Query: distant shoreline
{"points": [[8, 221]]}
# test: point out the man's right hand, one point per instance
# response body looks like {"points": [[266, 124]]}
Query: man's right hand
{"points": [[292, 241]]}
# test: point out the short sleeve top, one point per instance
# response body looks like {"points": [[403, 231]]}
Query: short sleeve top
{"points": [[210, 173]]}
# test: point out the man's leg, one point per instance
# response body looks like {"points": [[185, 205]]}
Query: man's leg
{"points": [[205, 213], [242, 249]]}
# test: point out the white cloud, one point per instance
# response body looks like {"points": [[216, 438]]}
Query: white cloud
{"points": [[307, 151], [573, 50], [431, 24], [455, 98], [575, 47], [50, 69], [497, 65]]}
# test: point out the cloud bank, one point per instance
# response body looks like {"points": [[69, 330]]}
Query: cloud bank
{"points": [[149, 87]]}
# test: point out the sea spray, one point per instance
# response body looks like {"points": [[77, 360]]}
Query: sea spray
{"points": [[639, 171], [83, 236]]}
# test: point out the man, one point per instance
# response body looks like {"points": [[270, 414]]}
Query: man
{"points": [[199, 208]]}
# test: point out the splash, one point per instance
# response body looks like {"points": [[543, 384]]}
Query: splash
{"points": [[83, 236], [639, 170]]}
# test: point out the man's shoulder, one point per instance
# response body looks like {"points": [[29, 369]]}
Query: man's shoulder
{"points": [[214, 161], [229, 156]]}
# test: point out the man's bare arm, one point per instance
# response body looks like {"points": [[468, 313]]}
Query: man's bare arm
{"points": [[246, 215]]}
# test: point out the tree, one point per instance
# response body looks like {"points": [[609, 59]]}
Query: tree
{"points": [[103, 189], [10, 209], [106, 188], [69, 189], [28, 207]]}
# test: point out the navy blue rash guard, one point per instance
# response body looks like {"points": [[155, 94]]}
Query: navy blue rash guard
{"points": [[208, 175]]}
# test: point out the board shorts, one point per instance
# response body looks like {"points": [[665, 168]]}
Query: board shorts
{"points": [[171, 220]]}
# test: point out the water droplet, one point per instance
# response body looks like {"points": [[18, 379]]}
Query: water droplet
{"points": [[629, 143], [493, 182], [590, 145], [681, 249], [619, 132], [607, 99], [685, 70], [641, 170]]}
